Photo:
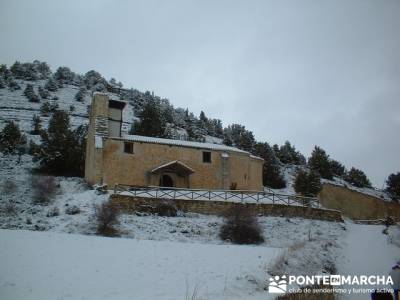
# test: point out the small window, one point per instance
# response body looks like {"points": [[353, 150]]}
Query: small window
{"points": [[206, 157], [128, 147]]}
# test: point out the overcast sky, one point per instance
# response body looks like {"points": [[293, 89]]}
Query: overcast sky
{"points": [[312, 72]]}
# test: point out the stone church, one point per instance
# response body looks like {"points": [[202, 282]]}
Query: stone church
{"points": [[116, 158]]}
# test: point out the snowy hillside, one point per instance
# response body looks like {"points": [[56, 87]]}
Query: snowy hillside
{"points": [[14, 106]]}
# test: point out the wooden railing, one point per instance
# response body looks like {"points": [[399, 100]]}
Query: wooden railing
{"points": [[245, 196]]}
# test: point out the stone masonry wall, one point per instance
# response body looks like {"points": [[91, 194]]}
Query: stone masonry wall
{"points": [[356, 205], [130, 204]]}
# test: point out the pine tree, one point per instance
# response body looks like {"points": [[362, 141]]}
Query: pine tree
{"points": [[357, 178], [29, 93], [64, 75], [45, 109], [53, 107], [337, 168], [37, 125], [288, 154], [17, 70], [2, 83], [227, 140], [319, 162], [33, 149], [43, 93], [393, 186], [272, 176], [191, 127], [51, 85], [94, 81], [62, 149], [26, 71], [151, 121], [12, 140], [80, 95], [43, 69], [5, 73], [240, 137], [203, 120], [307, 184], [13, 85]]}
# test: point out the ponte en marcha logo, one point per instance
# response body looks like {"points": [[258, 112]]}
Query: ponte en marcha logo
{"points": [[338, 283]]}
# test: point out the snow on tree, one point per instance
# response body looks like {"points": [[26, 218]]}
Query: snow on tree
{"points": [[288, 154], [393, 186], [217, 128], [151, 120], [13, 85], [2, 82], [30, 71], [240, 137], [43, 93], [12, 140], [43, 69], [51, 85], [337, 168], [62, 149], [94, 81], [307, 183], [80, 95], [357, 178], [319, 162], [5, 73], [45, 109], [29, 93], [112, 81], [64, 75], [272, 176], [192, 129], [36, 125]]}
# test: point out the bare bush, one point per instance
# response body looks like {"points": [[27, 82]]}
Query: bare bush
{"points": [[277, 266], [241, 227], [166, 210], [107, 217], [44, 189]]}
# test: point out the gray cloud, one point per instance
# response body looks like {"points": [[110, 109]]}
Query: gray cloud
{"points": [[312, 72]]}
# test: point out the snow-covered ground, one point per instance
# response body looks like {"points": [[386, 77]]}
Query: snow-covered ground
{"points": [[45, 265], [367, 251], [48, 265]]}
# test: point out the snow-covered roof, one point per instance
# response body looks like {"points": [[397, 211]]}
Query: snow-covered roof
{"points": [[153, 140], [255, 157]]}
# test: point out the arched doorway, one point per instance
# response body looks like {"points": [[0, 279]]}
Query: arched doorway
{"points": [[166, 181]]}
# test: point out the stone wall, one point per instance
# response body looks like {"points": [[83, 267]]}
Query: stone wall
{"points": [[356, 205], [130, 204]]}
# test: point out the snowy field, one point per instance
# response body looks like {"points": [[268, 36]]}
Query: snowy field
{"points": [[48, 265], [59, 266]]}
